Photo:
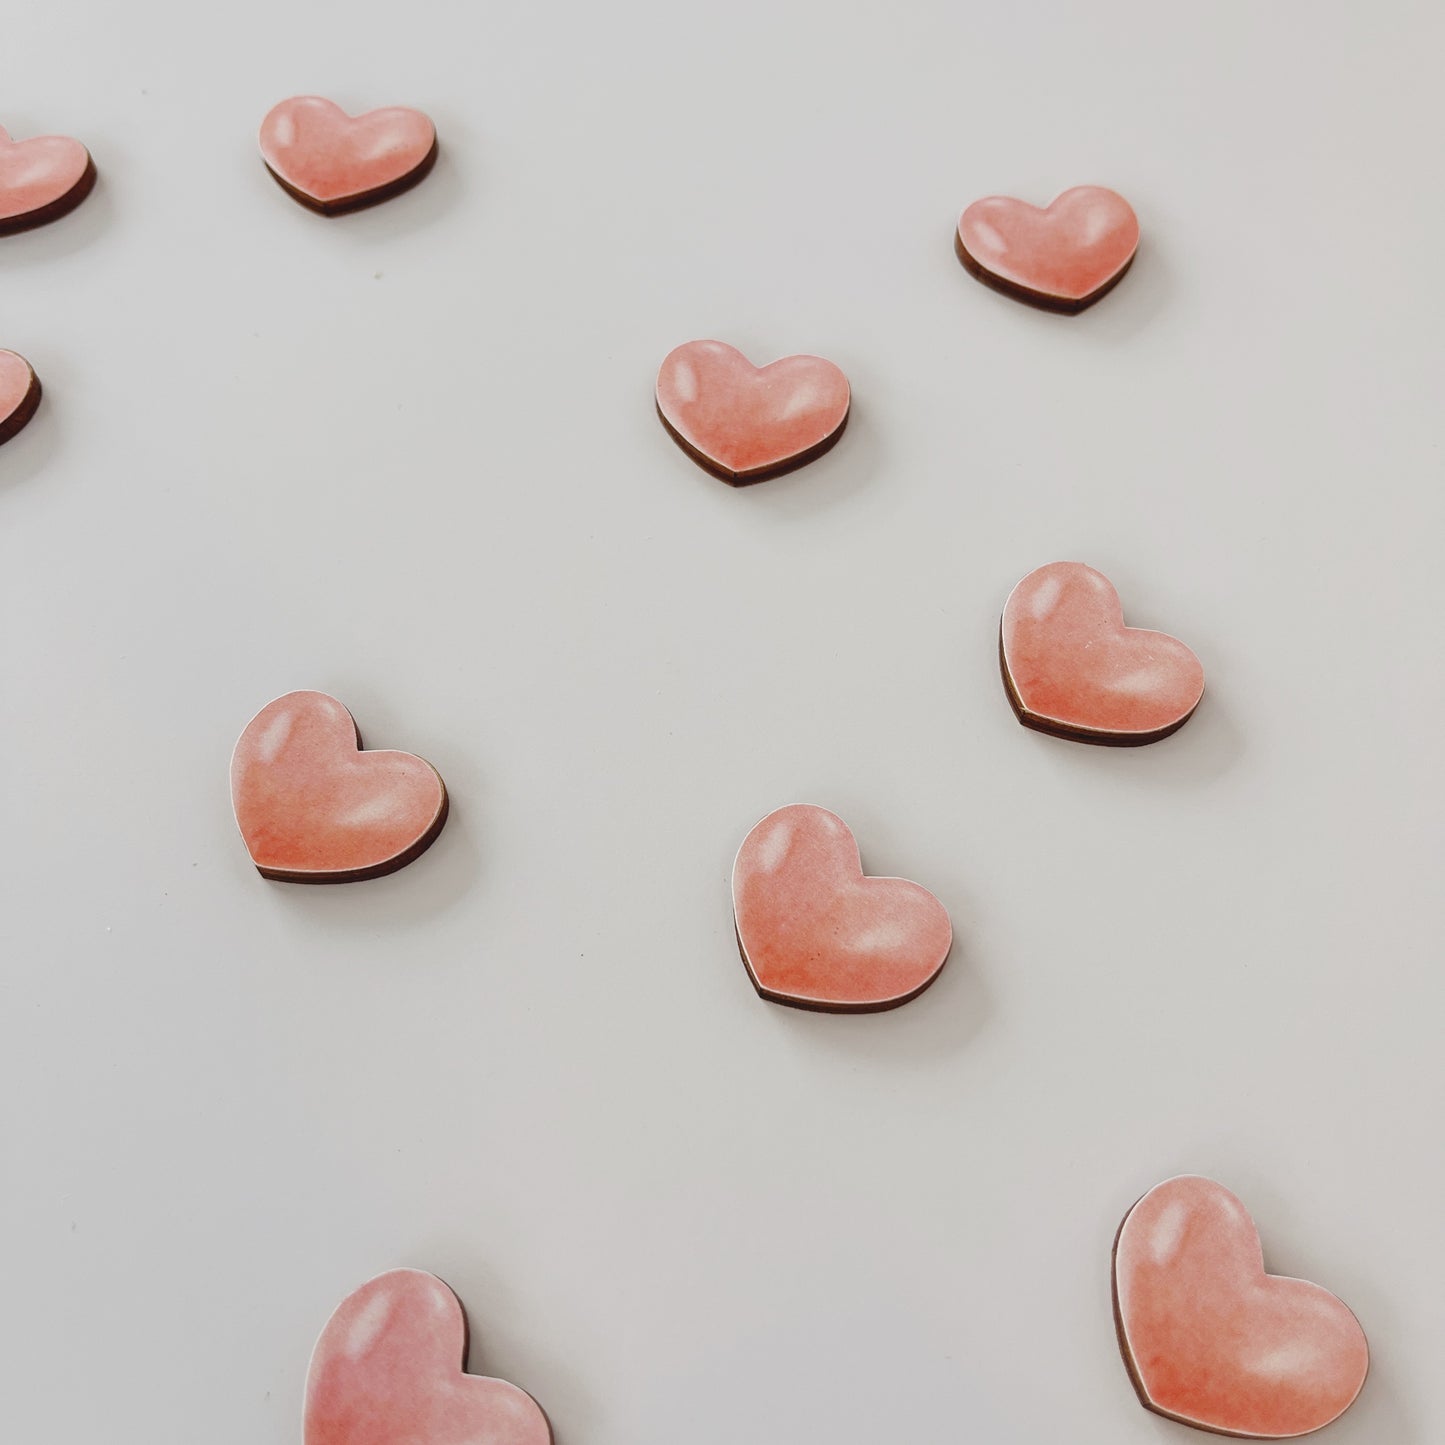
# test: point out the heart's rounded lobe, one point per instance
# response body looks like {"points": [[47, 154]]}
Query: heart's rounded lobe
{"points": [[19, 393], [387, 1370], [1072, 667], [745, 422], [41, 179], [815, 932], [313, 808], [1213, 1341], [1064, 256], [335, 162]]}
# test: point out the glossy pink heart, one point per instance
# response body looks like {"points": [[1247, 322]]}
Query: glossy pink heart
{"points": [[41, 179], [19, 393], [313, 808], [335, 162], [815, 933], [1063, 257], [1213, 1341], [1071, 667], [387, 1370], [745, 422]]}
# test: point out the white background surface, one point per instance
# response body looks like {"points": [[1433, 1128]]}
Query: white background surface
{"points": [[410, 458]]}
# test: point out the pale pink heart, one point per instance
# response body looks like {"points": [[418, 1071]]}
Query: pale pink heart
{"points": [[816, 933], [1063, 256], [1213, 1341], [747, 422], [1071, 666], [388, 1370], [333, 162], [19, 393], [313, 808], [41, 179]]}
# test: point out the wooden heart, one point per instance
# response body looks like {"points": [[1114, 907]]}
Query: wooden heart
{"points": [[41, 179], [1072, 668], [334, 162], [744, 422], [815, 933], [314, 808], [1063, 257], [19, 393], [388, 1370], [1213, 1341]]}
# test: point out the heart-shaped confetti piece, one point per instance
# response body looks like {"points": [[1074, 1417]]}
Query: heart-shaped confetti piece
{"points": [[314, 808], [1213, 1341], [334, 162], [744, 422], [816, 933]]}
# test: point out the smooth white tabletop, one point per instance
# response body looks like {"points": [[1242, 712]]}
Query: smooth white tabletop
{"points": [[410, 458]]}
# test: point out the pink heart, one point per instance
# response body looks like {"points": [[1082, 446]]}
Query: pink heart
{"points": [[815, 933], [313, 808], [1064, 257], [387, 1370], [41, 179], [334, 162], [1071, 667], [1213, 1341], [19, 393], [746, 422]]}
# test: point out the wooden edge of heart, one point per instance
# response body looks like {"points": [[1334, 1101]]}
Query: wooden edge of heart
{"points": [[376, 870], [359, 200], [1045, 301], [824, 1006], [29, 404], [1056, 729], [1136, 1379], [466, 1339], [756, 474], [60, 206]]}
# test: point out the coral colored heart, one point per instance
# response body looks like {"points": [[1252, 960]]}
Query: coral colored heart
{"points": [[1063, 258], [314, 808], [41, 179], [1213, 1341], [1072, 668], [388, 1370], [744, 422], [335, 162], [815, 933], [19, 393]]}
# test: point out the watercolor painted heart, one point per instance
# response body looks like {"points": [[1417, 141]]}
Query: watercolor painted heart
{"points": [[313, 808], [388, 1370], [1063, 257], [744, 422], [816, 933], [19, 393], [1213, 1341], [334, 162], [1073, 669], [41, 179]]}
